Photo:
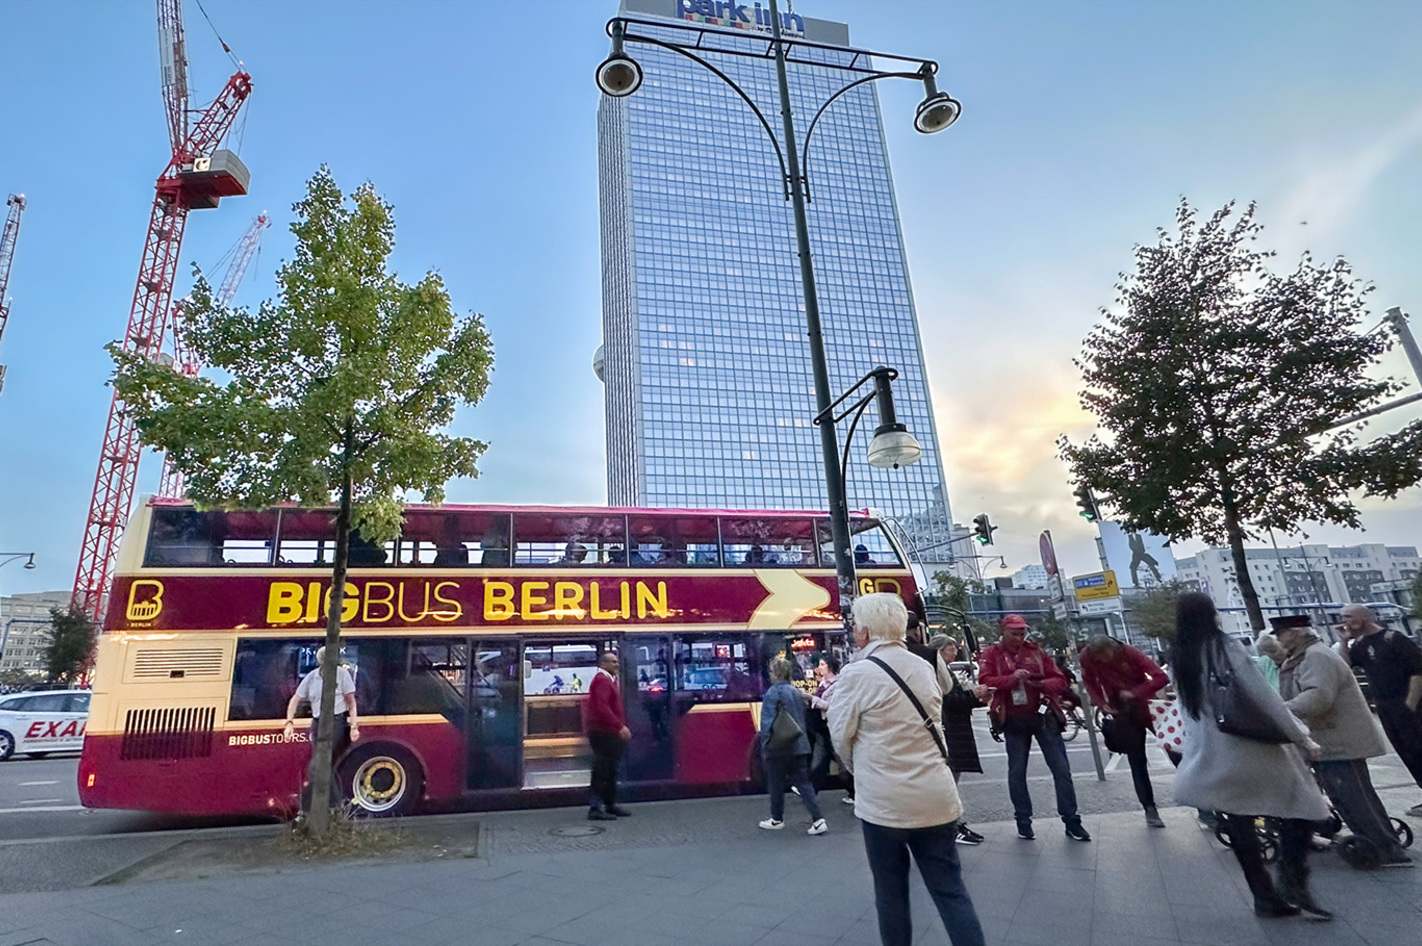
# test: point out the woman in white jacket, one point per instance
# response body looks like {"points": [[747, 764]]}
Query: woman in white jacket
{"points": [[904, 791]]}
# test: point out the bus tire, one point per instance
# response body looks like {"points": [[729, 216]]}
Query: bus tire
{"points": [[382, 781], [7, 745]]}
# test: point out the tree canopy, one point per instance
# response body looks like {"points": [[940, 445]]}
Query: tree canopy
{"points": [[340, 389], [70, 647], [1153, 613], [1218, 387]]}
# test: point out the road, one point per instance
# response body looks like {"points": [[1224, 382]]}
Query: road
{"points": [[39, 798]]}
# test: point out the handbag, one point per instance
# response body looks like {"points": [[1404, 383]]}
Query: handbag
{"points": [[1237, 711], [784, 733]]}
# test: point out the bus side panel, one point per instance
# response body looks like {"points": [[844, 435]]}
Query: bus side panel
{"points": [[714, 743], [254, 771]]}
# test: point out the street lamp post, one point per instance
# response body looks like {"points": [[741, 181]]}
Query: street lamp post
{"points": [[619, 75], [9, 557]]}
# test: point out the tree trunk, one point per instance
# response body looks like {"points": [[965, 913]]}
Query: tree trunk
{"points": [[320, 775], [1241, 563]]}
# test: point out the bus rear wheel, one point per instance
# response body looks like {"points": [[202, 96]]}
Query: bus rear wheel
{"points": [[382, 781]]}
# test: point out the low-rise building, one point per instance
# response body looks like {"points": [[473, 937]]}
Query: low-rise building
{"points": [[25, 629]]}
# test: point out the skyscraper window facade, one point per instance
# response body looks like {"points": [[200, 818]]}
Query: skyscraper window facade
{"points": [[705, 360]]}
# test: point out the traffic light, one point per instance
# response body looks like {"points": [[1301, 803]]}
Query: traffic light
{"points": [[1087, 503], [983, 529]]}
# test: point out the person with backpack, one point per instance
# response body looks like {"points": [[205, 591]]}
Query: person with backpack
{"points": [[786, 749]]}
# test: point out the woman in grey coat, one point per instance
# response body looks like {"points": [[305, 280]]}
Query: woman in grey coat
{"points": [[787, 765], [1241, 778]]}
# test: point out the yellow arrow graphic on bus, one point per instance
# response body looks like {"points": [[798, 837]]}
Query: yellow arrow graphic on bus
{"points": [[792, 596]]}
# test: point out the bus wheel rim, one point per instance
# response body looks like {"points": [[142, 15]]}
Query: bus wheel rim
{"points": [[379, 783]]}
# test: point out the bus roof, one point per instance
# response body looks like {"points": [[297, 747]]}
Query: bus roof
{"points": [[573, 510]]}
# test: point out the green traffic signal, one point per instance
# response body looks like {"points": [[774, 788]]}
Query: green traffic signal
{"points": [[1086, 502]]}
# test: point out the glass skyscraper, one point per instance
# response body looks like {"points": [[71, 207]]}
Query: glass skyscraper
{"points": [[705, 360]]}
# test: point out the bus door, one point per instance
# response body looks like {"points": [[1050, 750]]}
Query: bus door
{"points": [[495, 733], [557, 674], [646, 694]]}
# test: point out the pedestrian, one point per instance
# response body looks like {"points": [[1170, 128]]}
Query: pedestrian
{"points": [[345, 717], [1241, 778], [606, 726], [959, 700], [1270, 659], [1122, 681], [1319, 688], [882, 719], [1027, 689], [787, 763], [822, 751], [1393, 663]]}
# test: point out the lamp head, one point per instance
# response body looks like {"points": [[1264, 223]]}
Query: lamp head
{"points": [[619, 74], [31, 563], [893, 446], [938, 109]]}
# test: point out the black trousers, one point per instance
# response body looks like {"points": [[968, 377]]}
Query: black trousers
{"points": [[1350, 788], [1404, 730], [1294, 835], [339, 744], [607, 750]]}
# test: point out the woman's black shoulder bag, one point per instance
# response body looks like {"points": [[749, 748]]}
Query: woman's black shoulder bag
{"points": [[1236, 710]]}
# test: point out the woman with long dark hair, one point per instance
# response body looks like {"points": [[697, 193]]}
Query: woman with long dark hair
{"points": [[1243, 778]]}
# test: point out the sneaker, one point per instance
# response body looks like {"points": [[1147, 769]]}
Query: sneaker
{"points": [[967, 835], [770, 824], [1401, 860], [617, 812], [1024, 831], [1415, 811], [597, 814], [848, 799], [1076, 832], [1152, 817], [819, 827]]}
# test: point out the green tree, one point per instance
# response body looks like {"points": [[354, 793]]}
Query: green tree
{"points": [[954, 594], [1054, 635], [1218, 386], [70, 649], [338, 390], [12, 680], [1153, 613]]}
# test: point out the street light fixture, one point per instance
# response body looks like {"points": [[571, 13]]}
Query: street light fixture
{"points": [[29, 566], [619, 76]]}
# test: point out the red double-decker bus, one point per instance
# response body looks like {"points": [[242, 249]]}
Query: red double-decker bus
{"points": [[472, 638]]}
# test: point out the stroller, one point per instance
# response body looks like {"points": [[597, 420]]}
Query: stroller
{"points": [[1356, 852]]}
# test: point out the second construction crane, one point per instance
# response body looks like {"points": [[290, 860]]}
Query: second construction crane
{"points": [[198, 174], [8, 237]]}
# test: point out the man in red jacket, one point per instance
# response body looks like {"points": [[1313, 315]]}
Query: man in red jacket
{"points": [[1121, 680], [1027, 688], [607, 731]]}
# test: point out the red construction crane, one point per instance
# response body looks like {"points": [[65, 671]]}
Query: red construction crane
{"points": [[8, 236], [185, 359], [198, 175]]}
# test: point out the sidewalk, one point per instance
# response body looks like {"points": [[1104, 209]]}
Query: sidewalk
{"points": [[700, 872]]}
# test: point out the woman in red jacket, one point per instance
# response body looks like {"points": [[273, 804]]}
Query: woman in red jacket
{"points": [[1121, 680]]}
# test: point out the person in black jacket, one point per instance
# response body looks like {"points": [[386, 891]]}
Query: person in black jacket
{"points": [[959, 701]]}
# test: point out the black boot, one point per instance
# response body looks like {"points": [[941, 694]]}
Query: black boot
{"points": [[1293, 887], [1244, 844]]}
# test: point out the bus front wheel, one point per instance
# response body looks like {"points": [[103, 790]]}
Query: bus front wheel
{"points": [[382, 781]]}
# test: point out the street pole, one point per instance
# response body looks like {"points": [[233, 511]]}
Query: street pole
{"points": [[829, 437]]}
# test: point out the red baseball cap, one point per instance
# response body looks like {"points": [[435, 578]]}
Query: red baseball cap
{"points": [[1013, 620]]}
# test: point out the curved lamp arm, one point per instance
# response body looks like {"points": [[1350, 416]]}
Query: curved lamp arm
{"points": [[805, 157], [779, 155]]}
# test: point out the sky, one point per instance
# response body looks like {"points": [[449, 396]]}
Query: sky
{"points": [[1084, 124]]}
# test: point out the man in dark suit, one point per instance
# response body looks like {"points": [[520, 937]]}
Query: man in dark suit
{"points": [[606, 726]]}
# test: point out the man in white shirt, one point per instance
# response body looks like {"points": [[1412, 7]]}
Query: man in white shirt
{"points": [[904, 792], [346, 717]]}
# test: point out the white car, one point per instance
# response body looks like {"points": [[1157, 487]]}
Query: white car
{"points": [[40, 723]]}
